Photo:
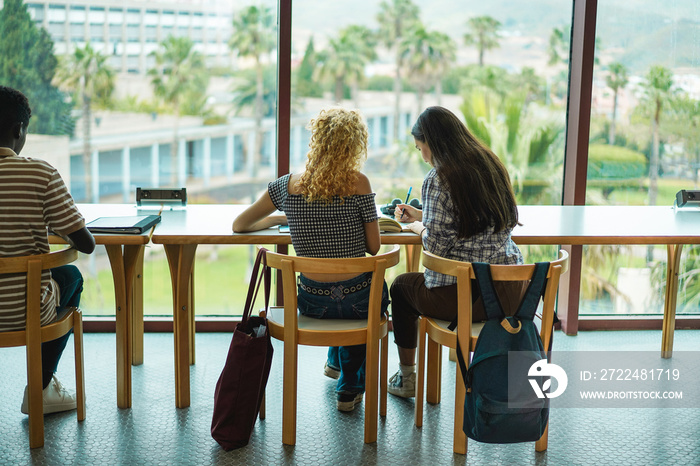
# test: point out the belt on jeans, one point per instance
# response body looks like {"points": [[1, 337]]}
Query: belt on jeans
{"points": [[327, 292]]}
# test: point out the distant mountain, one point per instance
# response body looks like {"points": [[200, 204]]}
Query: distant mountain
{"points": [[638, 33]]}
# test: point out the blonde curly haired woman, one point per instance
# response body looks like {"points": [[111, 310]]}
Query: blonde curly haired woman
{"points": [[331, 212]]}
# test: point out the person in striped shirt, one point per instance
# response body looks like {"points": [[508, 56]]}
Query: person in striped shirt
{"points": [[34, 198]]}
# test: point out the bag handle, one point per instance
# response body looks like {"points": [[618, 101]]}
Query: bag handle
{"points": [[255, 281]]}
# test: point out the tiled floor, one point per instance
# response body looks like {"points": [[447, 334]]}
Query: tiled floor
{"points": [[153, 431]]}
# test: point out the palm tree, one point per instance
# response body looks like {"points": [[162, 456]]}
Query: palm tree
{"points": [[524, 144], [658, 89], [446, 54], [483, 33], [87, 74], [178, 77], [685, 125], [558, 48], [427, 55], [254, 36], [492, 83], [617, 79], [345, 58], [365, 42], [395, 17]]}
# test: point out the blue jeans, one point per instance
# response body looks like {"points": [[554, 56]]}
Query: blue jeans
{"points": [[70, 282], [339, 305]]}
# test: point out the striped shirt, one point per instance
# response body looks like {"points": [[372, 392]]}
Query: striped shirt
{"points": [[32, 198], [318, 229], [441, 235]]}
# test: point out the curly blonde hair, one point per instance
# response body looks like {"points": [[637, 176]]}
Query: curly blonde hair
{"points": [[338, 148]]}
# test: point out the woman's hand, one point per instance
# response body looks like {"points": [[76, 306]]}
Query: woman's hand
{"points": [[258, 216], [416, 227], [410, 213]]}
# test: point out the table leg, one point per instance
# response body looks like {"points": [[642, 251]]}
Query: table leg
{"points": [[191, 320], [137, 314], [181, 261], [672, 266], [412, 257], [123, 263]]}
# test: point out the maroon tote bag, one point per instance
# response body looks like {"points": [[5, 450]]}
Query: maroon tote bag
{"points": [[241, 385]]}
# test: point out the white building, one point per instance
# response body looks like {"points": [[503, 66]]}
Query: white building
{"points": [[129, 30]]}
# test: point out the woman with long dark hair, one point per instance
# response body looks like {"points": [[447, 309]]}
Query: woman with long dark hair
{"points": [[469, 212]]}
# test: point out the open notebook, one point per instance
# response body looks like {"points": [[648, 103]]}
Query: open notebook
{"points": [[135, 224], [390, 225]]}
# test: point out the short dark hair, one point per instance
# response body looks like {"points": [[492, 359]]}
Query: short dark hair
{"points": [[474, 176], [14, 108]]}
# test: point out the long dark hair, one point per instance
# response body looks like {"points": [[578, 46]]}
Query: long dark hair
{"points": [[476, 179]]}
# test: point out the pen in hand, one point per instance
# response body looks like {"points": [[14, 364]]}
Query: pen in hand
{"points": [[403, 211]]}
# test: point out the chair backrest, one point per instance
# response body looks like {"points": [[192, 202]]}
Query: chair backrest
{"points": [[291, 265], [465, 273], [33, 265]]}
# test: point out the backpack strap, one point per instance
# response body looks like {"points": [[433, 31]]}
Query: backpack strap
{"points": [[538, 281], [492, 305]]}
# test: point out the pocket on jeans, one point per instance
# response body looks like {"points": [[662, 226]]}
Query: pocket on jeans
{"points": [[309, 308], [360, 309]]}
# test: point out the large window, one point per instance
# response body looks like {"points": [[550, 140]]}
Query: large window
{"points": [[492, 65], [503, 67], [644, 146]]}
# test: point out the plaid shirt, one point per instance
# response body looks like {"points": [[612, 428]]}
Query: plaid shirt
{"points": [[441, 235]]}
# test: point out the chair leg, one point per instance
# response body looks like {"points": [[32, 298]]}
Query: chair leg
{"points": [[434, 372], [79, 362], [35, 397], [459, 438], [371, 390], [420, 375], [383, 375], [541, 444], [289, 395]]}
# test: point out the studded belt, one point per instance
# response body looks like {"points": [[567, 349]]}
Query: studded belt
{"points": [[327, 292]]}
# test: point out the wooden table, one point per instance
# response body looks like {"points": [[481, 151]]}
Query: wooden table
{"points": [[182, 230], [629, 225], [125, 252]]}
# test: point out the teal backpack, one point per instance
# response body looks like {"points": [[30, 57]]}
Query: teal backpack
{"points": [[490, 416]]}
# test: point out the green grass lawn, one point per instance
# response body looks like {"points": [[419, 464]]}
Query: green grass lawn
{"points": [[222, 274]]}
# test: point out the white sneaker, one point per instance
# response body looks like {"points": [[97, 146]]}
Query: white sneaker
{"points": [[57, 398], [330, 371], [404, 387]]}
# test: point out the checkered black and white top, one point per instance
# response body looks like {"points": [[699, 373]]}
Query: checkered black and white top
{"points": [[318, 229], [442, 240]]}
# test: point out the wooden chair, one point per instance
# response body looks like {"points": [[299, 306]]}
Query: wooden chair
{"points": [[287, 325], [34, 334], [439, 335]]}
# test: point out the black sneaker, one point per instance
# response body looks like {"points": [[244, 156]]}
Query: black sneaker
{"points": [[347, 401]]}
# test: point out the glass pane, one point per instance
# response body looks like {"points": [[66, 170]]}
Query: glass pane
{"points": [[507, 87], [644, 146], [172, 103]]}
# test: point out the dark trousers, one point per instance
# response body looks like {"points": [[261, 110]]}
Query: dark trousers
{"points": [[70, 282], [410, 299]]}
